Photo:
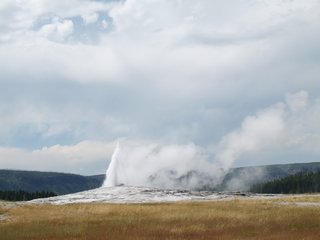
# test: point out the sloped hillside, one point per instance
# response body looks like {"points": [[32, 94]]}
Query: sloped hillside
{"points": [[59, 183]]}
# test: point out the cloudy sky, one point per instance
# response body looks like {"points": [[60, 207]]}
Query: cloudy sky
{"points": [[237, 80]]}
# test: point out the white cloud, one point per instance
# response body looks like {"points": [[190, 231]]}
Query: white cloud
{"points": [[155, 41], [84, 157], [303, 130], [17, 19], [58, 122], [90, 18], [57, 30], [83, 152], [297, 101]]}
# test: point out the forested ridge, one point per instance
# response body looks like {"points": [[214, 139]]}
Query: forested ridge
{"points": [[59, 183], [24, 196], [296, 183]]}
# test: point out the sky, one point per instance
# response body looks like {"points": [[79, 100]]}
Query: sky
{"points": [[237, 81]]}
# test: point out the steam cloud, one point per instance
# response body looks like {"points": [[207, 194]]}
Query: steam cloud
{"points": [[148, 164], [193, 167]]}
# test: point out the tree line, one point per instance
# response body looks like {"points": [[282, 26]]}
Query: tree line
{"points": [[297, 183], [24, 195]]}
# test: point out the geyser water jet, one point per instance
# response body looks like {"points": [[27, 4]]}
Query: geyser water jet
{"points": [[112, 171]]}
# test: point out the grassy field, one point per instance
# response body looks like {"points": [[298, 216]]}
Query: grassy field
{"points": [[236, 219]]}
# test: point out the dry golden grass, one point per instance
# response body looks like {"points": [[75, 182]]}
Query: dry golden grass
{"points": [[314, 198], [238, 219]]}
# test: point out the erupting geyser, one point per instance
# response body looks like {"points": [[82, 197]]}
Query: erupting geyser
{"points": [[166, 167], [111, 174]]}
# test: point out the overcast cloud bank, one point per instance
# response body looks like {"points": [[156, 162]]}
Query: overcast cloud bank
{"points": [[81, 74]]}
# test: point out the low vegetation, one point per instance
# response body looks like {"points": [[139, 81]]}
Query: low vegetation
{"points": [[297, 183], [236, 219]]}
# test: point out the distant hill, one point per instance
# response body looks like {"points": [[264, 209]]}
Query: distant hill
{"points": [[59, 183]]}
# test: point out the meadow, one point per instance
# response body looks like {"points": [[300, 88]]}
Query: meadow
{"points": [[234, 219]]}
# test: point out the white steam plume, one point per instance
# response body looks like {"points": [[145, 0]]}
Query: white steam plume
{"points": [[256, 132], [149, 164], [191, 167]]}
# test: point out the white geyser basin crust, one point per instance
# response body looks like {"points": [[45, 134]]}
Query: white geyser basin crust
{"points": [[125, 194]]}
